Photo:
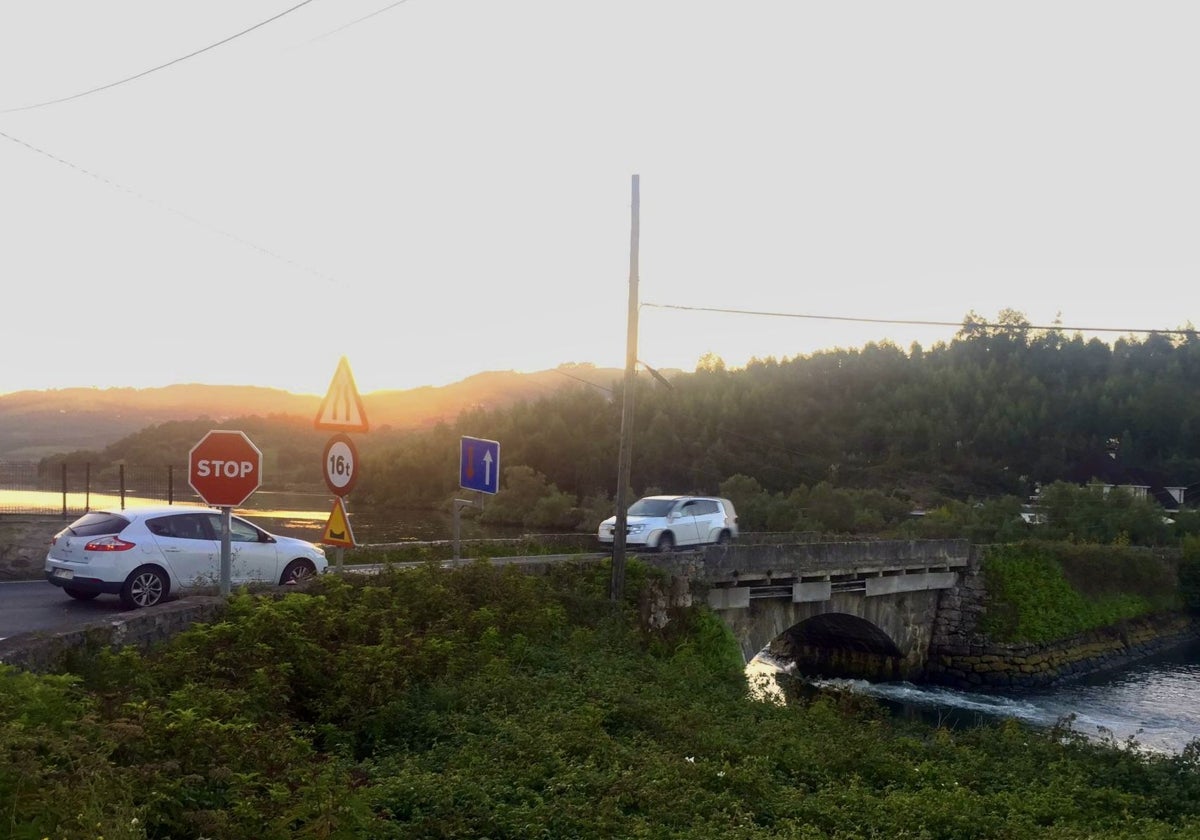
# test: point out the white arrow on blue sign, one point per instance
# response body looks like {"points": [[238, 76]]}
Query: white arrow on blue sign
{"points": [[479, 465]]}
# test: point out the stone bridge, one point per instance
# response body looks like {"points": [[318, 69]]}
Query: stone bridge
{"points": [[857, 609]]}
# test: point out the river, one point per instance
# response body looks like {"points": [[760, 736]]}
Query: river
{"points": [[1155, 702], [292, 514]]}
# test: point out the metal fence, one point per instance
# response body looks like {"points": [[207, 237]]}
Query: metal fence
{"points": [[68, 489]]}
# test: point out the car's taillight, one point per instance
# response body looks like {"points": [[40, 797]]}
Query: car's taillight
{"points": [[109, 544]]}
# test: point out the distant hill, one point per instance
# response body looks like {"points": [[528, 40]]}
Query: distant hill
{"points": [[34, 424]]}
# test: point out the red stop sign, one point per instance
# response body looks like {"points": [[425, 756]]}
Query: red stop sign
{"points": [[224, 468]]}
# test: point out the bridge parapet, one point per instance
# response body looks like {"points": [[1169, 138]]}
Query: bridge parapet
{"points": [[811, 572]]}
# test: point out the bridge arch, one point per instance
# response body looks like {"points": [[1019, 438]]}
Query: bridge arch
{"points": [[847, 635], [863, 609], [840, 645]]}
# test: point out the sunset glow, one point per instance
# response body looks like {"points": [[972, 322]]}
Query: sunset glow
{"points": [[441, 189]]}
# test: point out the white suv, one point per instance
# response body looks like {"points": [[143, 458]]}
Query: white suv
{"points": [[664, 522]]}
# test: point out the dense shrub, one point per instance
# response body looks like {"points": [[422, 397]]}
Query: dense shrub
{"points": [[1040, 591], [482, 702]]}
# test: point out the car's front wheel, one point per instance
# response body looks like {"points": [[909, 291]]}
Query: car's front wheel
{"points": [[297, 571], [666, 543], [146, 587], [79, 594]]}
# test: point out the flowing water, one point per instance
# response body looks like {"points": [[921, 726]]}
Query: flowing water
{"points": [[1154, 702]]}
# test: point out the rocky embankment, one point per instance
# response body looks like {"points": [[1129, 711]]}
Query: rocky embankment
{"points": [[962, 658]]}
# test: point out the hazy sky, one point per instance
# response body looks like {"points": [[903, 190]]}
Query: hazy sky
{"points": [[440, 187]]}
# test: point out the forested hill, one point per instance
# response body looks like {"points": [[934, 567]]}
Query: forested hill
{"points": [[990, 413], [35, 424]]}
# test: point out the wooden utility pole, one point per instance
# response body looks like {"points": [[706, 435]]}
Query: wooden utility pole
{"points": [[625, 456]]}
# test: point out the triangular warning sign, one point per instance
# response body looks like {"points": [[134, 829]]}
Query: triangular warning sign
{"points": [[337, 530], [342, 409]]}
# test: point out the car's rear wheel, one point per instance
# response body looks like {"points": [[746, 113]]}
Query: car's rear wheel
{"points": [[722, 538], [297, 571], [146, 587], [79, 594], [666, 542]]}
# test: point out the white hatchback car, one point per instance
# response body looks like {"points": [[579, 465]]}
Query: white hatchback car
{"points": [[146, 554], [664, 522]]}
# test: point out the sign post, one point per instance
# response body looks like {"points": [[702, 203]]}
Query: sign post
{"points": [[341, 411], [224, 468], [478, 469]]}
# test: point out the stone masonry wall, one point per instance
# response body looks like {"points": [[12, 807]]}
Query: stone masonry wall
{"points": [[961, 657], [48, 651], [24, 541]]}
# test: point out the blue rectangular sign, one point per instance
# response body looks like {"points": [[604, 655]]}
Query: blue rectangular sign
{"points": [[479, 465]]}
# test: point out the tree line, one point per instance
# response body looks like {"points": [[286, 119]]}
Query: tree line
{"points": [[844, 440]]}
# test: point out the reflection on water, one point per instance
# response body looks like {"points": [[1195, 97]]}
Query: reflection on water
{"points": [[302, 515], [1154, 703], [761, 672]]}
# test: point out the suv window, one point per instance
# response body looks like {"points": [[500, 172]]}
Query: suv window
{"points": [[95, 524], [704, 507], [651, 507]]}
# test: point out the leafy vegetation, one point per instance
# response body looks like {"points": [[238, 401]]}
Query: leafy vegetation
{"points": [[1189, 573], [1040, 592], [845, 441], [480, 702]]}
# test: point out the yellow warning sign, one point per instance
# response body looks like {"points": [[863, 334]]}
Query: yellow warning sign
{"points": [[337, 530], [342, 409]]}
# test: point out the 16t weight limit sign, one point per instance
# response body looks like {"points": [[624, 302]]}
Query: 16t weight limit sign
{"points": [[341, 465]]}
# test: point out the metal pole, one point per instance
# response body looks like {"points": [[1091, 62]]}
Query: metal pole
{"points": [[226, 552], [64, 488], [340, 554], [457, 530], [459, 504], [625, 456]]}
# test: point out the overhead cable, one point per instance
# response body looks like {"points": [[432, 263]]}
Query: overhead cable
{"points": [[961, 324], [159, 67], [358, 21], [240, 240]]}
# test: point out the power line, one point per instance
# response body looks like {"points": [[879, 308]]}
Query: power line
{"points": [[960, 324], [358, 21], [161, 206], [159, 67], [581, 379]]}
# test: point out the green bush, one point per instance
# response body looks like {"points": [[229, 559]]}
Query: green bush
{"points": [[1039, 592], [483, 702], [1189, 573]]}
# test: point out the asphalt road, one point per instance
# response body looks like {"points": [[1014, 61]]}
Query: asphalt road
{"points": [[30, 605]]}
